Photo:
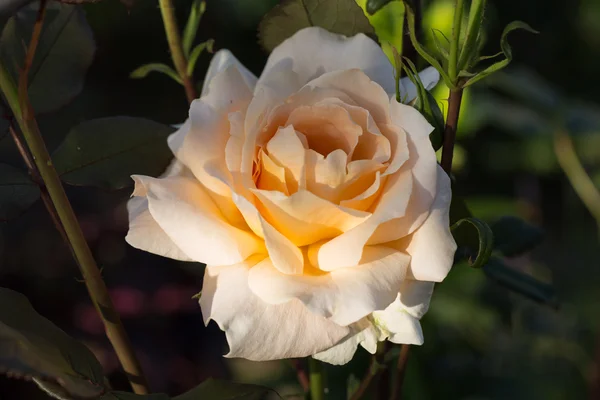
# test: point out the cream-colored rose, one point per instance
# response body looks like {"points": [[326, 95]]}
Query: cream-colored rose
{"points": [[314, 198]]}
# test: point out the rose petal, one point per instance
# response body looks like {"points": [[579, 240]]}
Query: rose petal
{"points": [[285, 257], [432, 262], [364, 200], [305, 218], [314, 51], [363, 332], [415, 296], [186, 213], [259, 331], [325, 175], [346, 249], [272, 176], [222, 60], [398, 325], [344, 296], [286, 148]]}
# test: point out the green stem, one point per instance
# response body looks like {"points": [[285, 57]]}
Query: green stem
{"points": [[175, 45], [573, 169], [317, 381], [450, 131], [91, 274], [455, 44]]}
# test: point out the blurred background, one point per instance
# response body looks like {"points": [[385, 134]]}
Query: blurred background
{"points": [[481, 340]]}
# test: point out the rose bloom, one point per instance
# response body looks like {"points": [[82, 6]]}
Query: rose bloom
{"points": [[313, 197]]}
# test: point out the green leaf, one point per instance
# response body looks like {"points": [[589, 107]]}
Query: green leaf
{"points": [[212, 389], [513, 236], [375, 5], [427, 105], [471, 44], [33, 347], [521, 283], [208, 45], [191, 27], [144, 70], [486, 240], [339, 16], [64, 53], [106, 152], [17, 192], [506, 50]]}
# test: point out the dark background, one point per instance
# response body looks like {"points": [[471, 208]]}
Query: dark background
{"points": [[481, 341]]}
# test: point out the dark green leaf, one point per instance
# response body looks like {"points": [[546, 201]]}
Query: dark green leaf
{"points": [[521, 283], [208, 45], [375, 5], [513, 236], [33, 347], [131, 396], [290, 16], [212, 389], [506, 50], [486, 240], [191, 27], [427, 105], [64, 53], [17, 192], [106, 152], [144, 70]]}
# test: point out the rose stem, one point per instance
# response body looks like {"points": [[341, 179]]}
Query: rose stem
{"points": [[578, 177], [174, 38], [450, 130], [400, 372], [316, 379], [35, 176], [375, 368], [18, 101]]}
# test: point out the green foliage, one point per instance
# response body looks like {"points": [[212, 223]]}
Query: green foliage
{"points": [[131, 396], [212, 389], [375, 5], [485, 242], [426, 104], [17, 192], [106, 152], [198, 50], [288, 17], [519, 282], [513, 236], [191, 27], [144, 70], [33, 347], [64, 53], [506, 51]]}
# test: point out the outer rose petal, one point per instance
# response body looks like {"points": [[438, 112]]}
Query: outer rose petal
{"points": [[432, 246], [222, 60], [259, 331], [314, 51], [183, 209], [144, 232], [344, 296], [363, 332]]}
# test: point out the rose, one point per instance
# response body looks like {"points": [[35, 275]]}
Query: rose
{"points": [[315, 201]]}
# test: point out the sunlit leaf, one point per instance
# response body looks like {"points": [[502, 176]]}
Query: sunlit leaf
{"points": [[520, 282], [427, 105], [513, 236], [198, 50], [33, 347], [288, 17], [144, 70], [375, 5], [191, 27], [106, 152], [506, 50], [486, 240], [64, 53], [17, 192], [212, 389]]}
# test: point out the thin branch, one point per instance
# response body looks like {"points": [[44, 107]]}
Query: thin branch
{"points": [[573, 169], [400, 372], [375, 368], [174, 38], [20, 105], [451, 126]]}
